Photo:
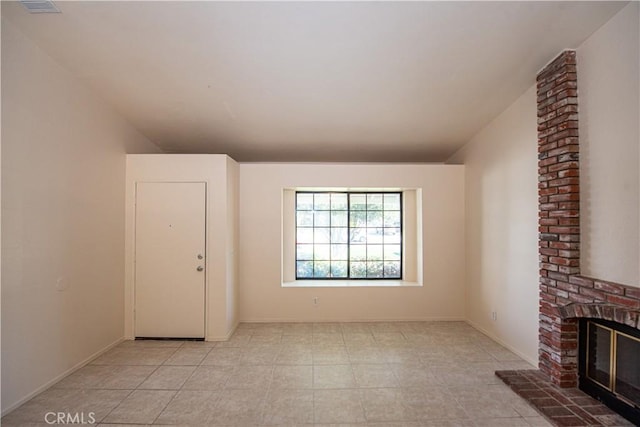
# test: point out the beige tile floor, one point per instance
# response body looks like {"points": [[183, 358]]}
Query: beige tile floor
{"points": [[300, 374]]}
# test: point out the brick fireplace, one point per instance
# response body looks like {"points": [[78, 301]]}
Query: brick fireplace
{"points": [[565, 295]]}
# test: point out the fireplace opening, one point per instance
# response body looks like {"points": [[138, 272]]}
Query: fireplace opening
{"points": [[609, 365]]}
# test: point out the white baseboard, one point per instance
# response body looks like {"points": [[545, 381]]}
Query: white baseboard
{"points": [[502, 343], [284, 320], [66, 373]]}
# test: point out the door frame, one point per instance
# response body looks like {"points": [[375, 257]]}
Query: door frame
{"points": [[130, 297]]}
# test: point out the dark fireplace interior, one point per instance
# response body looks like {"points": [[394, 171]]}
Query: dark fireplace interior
{"points": [[609, 365]]}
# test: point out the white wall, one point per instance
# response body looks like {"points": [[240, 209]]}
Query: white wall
{"points": [[262, 298], [608, 94], [63, 170], [501, 176], [233, 201], [221, 175]]}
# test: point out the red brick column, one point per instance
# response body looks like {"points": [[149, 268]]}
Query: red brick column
{"points": [[565, 295], [559, 213]]}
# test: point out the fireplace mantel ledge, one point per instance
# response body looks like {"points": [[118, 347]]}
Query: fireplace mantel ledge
{"points": [[605, 311]]}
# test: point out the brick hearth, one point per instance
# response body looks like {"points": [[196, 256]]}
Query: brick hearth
{"points": [[561, 406]]}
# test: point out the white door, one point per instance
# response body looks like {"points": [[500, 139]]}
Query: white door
{"points": [[170, 259]]}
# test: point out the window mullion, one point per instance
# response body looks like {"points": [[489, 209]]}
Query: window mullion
{"points": [[348, 235], [313, 222], [330, 240]]}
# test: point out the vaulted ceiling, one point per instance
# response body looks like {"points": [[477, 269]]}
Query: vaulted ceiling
{"points": [[310, 81]]}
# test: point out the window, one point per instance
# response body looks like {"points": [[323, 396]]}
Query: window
{"points": [[348, 235]]}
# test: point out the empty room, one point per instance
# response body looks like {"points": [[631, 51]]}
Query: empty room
{"points": [[332, 213]]}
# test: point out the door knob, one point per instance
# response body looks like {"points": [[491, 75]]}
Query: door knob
{"points": [[200, 256], [200, 268]]}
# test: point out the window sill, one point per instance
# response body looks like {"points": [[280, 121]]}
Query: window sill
{"points": [[349, 284]]}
